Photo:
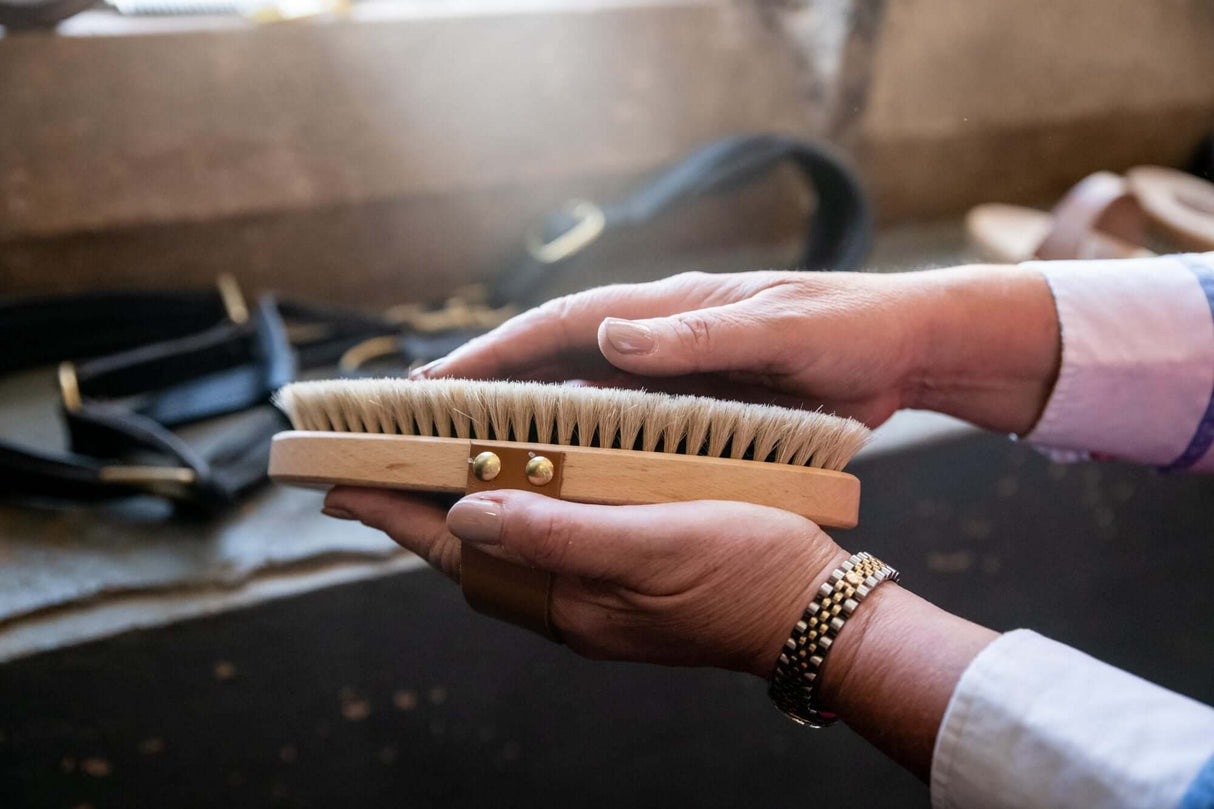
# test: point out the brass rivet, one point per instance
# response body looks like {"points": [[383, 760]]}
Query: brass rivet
{"points": [[540, 470], [486, 466]]}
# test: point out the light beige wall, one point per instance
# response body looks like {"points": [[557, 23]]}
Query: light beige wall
{"points": [[353, 158], [1015, 101], [361, 160]]}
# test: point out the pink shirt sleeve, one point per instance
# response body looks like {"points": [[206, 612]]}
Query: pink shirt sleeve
{"points": [[1137, 374]]}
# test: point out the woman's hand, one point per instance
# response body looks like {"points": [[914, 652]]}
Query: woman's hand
{"points": [[707, 583], [980, 343], [696, 584]]}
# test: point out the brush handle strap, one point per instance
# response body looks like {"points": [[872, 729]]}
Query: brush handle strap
{"points": [[510, 592], [794, 685]]}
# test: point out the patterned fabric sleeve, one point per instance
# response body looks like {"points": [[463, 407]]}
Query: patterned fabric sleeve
{"points": [[1137, 375], [1200, 794]]}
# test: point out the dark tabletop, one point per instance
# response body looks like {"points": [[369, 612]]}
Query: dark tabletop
{"points": [[391, 693]]}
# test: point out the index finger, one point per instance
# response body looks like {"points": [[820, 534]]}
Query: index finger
{"points": [[563, 333], [415, 522]]}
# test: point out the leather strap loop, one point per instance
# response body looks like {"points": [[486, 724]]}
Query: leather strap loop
{"points": [[510, 592], [506, 591]]}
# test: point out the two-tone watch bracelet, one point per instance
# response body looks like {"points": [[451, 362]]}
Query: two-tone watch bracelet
{"points": [[794, 684]]}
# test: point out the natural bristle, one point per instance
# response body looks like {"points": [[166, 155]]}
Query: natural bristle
{"points": [[576, 416]]}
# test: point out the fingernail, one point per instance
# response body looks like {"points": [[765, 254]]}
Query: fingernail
{"points": [[338, 513], [427, 369], [627, 337], [475, 520]]}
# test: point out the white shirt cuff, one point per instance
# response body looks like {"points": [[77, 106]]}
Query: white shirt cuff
{"points": [[1137, 374], [1034, 723]]}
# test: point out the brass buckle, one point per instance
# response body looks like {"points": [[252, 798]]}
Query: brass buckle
{"points": [[163, 480], [590, 224], [465, 309], [233, 299], [69, 387], [166, 481], [359, 355]]}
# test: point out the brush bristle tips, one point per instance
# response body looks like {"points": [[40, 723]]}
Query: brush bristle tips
{"points": [[582, 416]]}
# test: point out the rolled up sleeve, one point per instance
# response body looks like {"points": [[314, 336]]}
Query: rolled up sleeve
{"points": [[1136, 380]]}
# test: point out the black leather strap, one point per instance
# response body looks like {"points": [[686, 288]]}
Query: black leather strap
{"points": [[839, 230], [166, 359], [38, 331]]}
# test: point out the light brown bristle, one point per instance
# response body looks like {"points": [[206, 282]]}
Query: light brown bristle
{"points": [[577, 416]]}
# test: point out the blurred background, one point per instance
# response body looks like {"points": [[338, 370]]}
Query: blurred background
{"points": [[368, 154]]}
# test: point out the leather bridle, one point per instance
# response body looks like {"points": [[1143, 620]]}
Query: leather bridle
{"points": [[133, 366]]}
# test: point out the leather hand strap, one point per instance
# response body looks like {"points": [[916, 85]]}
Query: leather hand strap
{"points": [[504, 590]]}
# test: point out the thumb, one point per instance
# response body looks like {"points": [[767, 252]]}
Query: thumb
{"points": [[721, 338], [597, 542], [627, 545]]}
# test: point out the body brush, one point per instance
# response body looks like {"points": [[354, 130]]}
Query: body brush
{"points": [[584, 444]]}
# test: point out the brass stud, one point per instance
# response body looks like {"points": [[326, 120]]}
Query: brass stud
{"points": [[486, 466], [540, 471]]}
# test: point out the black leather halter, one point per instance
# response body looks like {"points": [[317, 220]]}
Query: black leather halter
{"points": [[838, 232], [144, 363], [136, 365]]}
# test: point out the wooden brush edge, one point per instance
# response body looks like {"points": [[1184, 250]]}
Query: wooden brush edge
{"points": [[591, 474]]}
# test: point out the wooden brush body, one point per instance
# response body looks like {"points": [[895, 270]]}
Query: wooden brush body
{"points": [[590, 474]]}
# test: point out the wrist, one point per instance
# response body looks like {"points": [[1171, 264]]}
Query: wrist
{"points": [[988, 346], [893, 668], [788, 607]]}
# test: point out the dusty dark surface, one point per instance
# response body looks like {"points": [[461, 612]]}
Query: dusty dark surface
{"points": [[390, 693]]}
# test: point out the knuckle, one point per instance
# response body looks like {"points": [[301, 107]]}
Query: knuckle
{"points": [[566, 313], [689, 278], [558, 308], [449, 559], [692, 283], [442, 552], [549, 539], [695, 332]]}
